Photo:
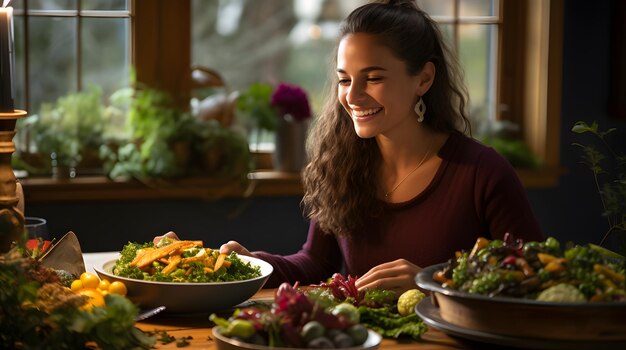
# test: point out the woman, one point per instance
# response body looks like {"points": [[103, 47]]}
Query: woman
{"points": [[393, 184]]}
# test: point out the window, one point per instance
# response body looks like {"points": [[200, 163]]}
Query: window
{"points": [[65, 46], [510, 50], [503, 47], [235, 38]]}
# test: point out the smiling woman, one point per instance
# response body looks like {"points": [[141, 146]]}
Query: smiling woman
{"points": [[367, 142]]}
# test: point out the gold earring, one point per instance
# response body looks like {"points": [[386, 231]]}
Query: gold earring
{"points": [[420, 109]]}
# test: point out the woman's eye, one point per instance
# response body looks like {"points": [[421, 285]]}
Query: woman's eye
{"points": [[344, 81], [374, 79]]}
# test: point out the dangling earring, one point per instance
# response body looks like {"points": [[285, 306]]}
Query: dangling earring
{"points": [[420, 109]]}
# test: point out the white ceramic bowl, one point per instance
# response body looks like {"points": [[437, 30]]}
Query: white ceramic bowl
{"points": [[190, 297], [225, 343]]}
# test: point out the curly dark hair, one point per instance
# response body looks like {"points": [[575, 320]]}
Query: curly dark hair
{"points": [[341, 181]]}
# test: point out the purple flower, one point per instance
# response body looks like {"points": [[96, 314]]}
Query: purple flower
{"points": [[291, 99]]}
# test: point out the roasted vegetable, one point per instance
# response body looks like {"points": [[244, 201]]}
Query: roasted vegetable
{"points": [[513, 268]]}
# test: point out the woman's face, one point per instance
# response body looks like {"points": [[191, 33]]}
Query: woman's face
{"points": [[374, 86]]}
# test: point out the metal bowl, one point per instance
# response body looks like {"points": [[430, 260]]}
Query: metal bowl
{"points": [[518, 317]]}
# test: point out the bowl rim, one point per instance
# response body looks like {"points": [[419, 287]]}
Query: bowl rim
{"points": [[424, 280], [264, 266], [375, 337]]}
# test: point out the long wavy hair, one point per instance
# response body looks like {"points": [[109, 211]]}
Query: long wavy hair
{"points": [[342, 179]]}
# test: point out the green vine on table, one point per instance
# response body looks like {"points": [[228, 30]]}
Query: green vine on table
{"points": [[609, 174]]}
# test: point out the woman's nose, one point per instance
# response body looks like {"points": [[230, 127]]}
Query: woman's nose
{"points": [[355, 94]]}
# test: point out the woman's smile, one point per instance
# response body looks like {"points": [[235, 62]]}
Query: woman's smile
{"points": [[362, 115]]}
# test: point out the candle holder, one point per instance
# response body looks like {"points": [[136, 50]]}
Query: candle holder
{"points": [[11, 217]]}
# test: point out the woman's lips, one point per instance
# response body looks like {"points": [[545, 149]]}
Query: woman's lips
{"points": [[365, 114]]}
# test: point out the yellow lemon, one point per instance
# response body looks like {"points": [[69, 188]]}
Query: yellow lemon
{"points": [[76, 285], [89, 280], [96, 299], [118, 287]]}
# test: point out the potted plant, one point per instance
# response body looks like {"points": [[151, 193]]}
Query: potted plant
{"points": [[159, 139], [164, 142], [68, 130], [285, 110]]}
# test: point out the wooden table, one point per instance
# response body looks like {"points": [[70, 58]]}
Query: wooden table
{"points": [[199, 328]]}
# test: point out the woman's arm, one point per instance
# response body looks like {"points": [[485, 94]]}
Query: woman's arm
{"points": [[318, 259]]}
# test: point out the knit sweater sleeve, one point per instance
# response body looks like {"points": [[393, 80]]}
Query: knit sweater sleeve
{"points": [[502, 199], [317, 260]]}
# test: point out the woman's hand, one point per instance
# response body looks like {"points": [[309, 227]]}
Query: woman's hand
{"points": [[233, 246], [171, 235], [398, 276]]}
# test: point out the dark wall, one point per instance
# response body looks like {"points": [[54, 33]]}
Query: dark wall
{"points": [[266, 223], [571, 211]]}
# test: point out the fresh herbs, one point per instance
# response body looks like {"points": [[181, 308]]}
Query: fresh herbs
{"points": [[165, 338], [36, 311], [390, 324]]}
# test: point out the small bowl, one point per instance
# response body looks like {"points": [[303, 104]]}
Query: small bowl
{"points": [[225, 343], [518, 317], [197, 298]]}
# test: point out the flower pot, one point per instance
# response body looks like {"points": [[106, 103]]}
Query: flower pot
{"points": [[60, 167], [290, 152]]}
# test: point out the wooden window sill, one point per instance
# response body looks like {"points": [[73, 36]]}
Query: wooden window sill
{"points": [[260, 183], [100, 188]]}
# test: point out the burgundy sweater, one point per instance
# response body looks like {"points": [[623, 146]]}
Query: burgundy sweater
{"points": [[475, 193]]}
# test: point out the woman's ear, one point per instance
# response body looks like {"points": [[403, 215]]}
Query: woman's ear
{"points": [[426, 77]]}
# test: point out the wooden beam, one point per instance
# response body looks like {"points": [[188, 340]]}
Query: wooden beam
{"points": [[161, 50]]}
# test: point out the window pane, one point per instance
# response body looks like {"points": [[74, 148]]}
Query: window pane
{"points": [[105, 53], [437, 7], [476, 53], [52, 4], [115, 5], [478, 8], [17, 5], [235, 38], [448, 34], [52, 59]]}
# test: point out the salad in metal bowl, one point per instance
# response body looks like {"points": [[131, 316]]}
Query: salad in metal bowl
{"points": [[542, 271]]}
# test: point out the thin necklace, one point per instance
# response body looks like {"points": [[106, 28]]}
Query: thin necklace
{"points": [[412, 171]]}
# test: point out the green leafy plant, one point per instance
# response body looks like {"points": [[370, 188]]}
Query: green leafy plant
{"points": [[69, 126], [38, 312], [222, 151], [515, 151], [165, 142], [609, 174], [266, 104], [254, 103], [154, 125]]}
